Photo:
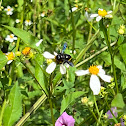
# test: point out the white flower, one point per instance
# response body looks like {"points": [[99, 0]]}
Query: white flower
{"points": [[42, 14], [52, 66], [101, 14], [9, 10], [94, 80], [10, 38], [17, 21], [28, 22], [39, 42]]}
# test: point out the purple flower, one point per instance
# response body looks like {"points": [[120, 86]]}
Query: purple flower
{"points": [[113, 109], [65, 120]]}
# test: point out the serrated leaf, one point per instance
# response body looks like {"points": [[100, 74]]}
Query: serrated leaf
{"points": [[69, 99], [13, 109], [27, 37], [3, 60], [118, 101]]}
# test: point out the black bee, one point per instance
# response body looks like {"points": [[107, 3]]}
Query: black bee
{"points": [[64, 58]]}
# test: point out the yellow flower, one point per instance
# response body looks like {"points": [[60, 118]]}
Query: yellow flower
{"points": [[121, 29], [84, 100], [26, 51], [10, 57]]}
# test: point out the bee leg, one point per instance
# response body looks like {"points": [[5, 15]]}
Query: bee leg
{"points": [[70, 63]]}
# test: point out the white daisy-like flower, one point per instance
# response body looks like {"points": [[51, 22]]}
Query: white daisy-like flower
{"points": [[39, 42], [42, 14], [52, 66], [101, 14], [9, 10], [95, 71], [28, 22], [17, 21], [10, 38], [10, 56]]}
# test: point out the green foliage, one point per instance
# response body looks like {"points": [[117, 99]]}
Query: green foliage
{"points": [[118, 101], [28, 38], [3, 60], [13, 110], [67, 100]]}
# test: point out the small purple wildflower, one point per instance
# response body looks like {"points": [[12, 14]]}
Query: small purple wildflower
{"points": [[113, 109], [65, 120]]}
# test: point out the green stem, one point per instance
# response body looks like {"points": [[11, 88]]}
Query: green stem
{"points": [[93, 113], [96, 105], [2, 111], [51, 108], [11, 73], [32, 109], [111, 112], [103, 28], [73, 27]]}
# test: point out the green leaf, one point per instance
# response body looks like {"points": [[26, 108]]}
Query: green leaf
{"points": [[13, 109], [71, 73], [40, 76], [69, 99], [3, 60], [118, 101], [27, 37], [122, 50], [106, 57]]}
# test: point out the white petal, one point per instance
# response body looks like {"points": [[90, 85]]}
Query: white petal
{"points": [[51, 67], [9, 61], [95, 84], [48, 55], [11, 40], [62, 69], [100, 9], [67, 65], [109, 16], [99, 66], [98, 18], [109, 12], [55, 54], [101, 71], [93, 15], [74, 8], [81, 72], [106, 78], [39, 42], [15, 38]]}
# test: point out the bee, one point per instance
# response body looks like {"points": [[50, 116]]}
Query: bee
{"points": [[64, 58]]}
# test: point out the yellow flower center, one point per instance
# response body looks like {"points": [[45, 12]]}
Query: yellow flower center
{"points": [[49, 61], [94, 70], [26, 51], [102, 13], [11, 36], [10, 56], [9, 9], [28, 21], [76, 5]]}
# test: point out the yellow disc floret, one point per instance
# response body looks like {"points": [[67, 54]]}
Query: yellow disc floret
{"points": [[11, 36], [49, 61], [9, 9], [26, 51], [10, 56], [102, 13], [94, 70]]}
